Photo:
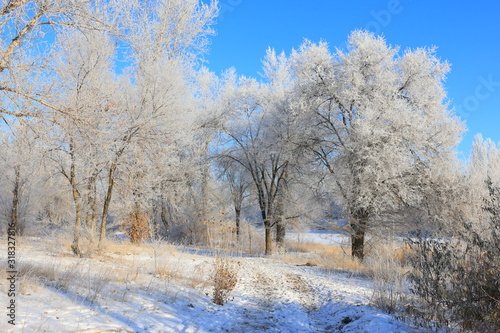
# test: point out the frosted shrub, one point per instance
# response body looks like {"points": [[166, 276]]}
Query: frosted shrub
{"points": [[225, 279], [458, 280]]}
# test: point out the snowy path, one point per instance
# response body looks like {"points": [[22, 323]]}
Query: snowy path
{"points": [[282, 297]]}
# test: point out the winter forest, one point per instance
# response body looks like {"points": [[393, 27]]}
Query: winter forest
{"points": [[131, 175]]}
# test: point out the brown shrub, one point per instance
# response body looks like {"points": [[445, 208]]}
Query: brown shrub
{"points": [[139, 229], [225, 279]]}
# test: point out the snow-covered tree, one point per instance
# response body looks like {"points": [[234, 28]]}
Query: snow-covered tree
{"points": [[26, 29], [109, 120], [238, 180], [247, 145], [21, 176], [381, 123], [483, 174], [264, 136]]}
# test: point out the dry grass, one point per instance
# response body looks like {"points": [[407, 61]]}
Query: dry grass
{"points": [[119, 262], [398, 252], [162, 262], [388, 266], [73, 277], [61, 245], [164, 269], [51, 274], [335, 257], [26, 283], [126, 248], [329, 257]]}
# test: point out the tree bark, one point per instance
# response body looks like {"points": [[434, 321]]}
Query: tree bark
{"points": [[280, 225], [280, 232], [107, 201], [163, 216], [91, 217], [204, 191], [15, 201], [266, 213], [266, 217], [237, 221], [359, 221], [268, 249], [111, 182], [78, 208]]}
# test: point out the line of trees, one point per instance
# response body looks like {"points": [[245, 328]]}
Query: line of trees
{"points": [[107, 113]]}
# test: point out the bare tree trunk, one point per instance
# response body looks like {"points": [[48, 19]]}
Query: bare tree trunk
{"points": [[280, 232], [359, 221], [78, 216], [249, 239], [78, 208], [358, 244], [107, 201], [204, 192], [163, 215], [269, 244], [93, 215], [266, 212], [90, 218], [280, 224], [237, 212], [15, 200], [266, 217]]}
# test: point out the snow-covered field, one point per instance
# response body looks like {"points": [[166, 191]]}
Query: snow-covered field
{"points": [[159, 288]]}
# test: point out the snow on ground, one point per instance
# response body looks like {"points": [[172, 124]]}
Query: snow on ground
{"points": [[158, 289], [319, 237]]}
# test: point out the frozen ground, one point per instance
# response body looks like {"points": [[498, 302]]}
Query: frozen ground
{"points": [[157, 288]]}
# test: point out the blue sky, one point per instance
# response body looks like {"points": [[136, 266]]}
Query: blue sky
{"points": [[466, 33]]}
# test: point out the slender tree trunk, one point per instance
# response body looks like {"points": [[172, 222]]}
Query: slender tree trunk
{"points": [[107, 201], [15, 201], [280, 206], [204, 192], [237, 193], [249, 239], [78, 216], [93, 215], [90, 218], [237, 212], [359, 222], [78, 208], [111, 182], [163, 215]]}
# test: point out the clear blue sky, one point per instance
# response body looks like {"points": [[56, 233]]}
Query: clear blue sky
{"points": [[466, 33]]}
